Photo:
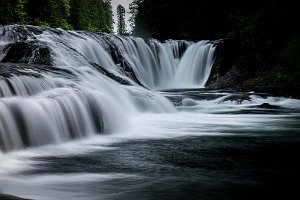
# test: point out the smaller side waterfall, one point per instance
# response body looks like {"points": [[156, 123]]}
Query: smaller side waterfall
{"points": [[195, 66], [154, 62], [161, 65]]}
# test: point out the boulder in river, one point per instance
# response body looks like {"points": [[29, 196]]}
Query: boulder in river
{"points": [[238, 98]]}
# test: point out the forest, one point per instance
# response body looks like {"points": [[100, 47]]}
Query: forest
{"points": [[66, 14]]}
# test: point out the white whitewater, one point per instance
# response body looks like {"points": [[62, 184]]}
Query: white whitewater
{"points": [[72, 100], [161, 66], [56, 113], [195, 66], [157, 64]]}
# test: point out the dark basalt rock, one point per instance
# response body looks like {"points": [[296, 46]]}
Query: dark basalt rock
{"points": [[238, 98], [176, 100], [225, 57], [9, 69], [268, 106], [111, 75], [234, 70], [24, 32], [31, 52]]}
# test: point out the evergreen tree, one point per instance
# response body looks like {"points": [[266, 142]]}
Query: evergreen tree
{"points": [[66, 14], [121, 20], [97, 17], [53, 13], [13, 12], [108, 16], [133, 11]]}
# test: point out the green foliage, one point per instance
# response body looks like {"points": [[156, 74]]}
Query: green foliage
{"points": [[291, 56], [275, 79], [53, 13], [263, 32], [133, 11], [183, 19], [97, 17], [93, 15], [13, 12], [279, 77], [291, 53], [254, 81], [40, 23]]}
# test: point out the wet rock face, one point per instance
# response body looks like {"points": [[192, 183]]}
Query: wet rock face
{"points": [[9, 69], [235, 72], [238, 98], [268, 106], [20, 44], [30, 52], [230, 69], [111, 75], [225, 58], [24, 32]]}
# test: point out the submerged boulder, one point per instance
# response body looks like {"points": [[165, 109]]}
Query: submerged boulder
{"points": [[268, 106], [189, 102], [238, 98]]}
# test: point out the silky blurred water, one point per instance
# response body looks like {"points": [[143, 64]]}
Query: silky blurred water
{"points": [[210, 148]]}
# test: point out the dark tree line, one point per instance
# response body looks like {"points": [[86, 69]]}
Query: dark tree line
{"points": [[209, 19], [93, 15]]}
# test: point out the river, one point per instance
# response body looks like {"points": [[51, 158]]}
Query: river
{"points": [[70, 132]]}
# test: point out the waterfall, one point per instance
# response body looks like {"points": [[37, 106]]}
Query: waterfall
{"points": [[195, 66], [58, 85], [155, 63], [169, 64]]}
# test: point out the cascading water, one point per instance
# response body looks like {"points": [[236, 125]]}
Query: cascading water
{"points": [[61, 92], [195, 66], [162, 65], [49, 110], [71, 99], [57, 86], [155, 63]]}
